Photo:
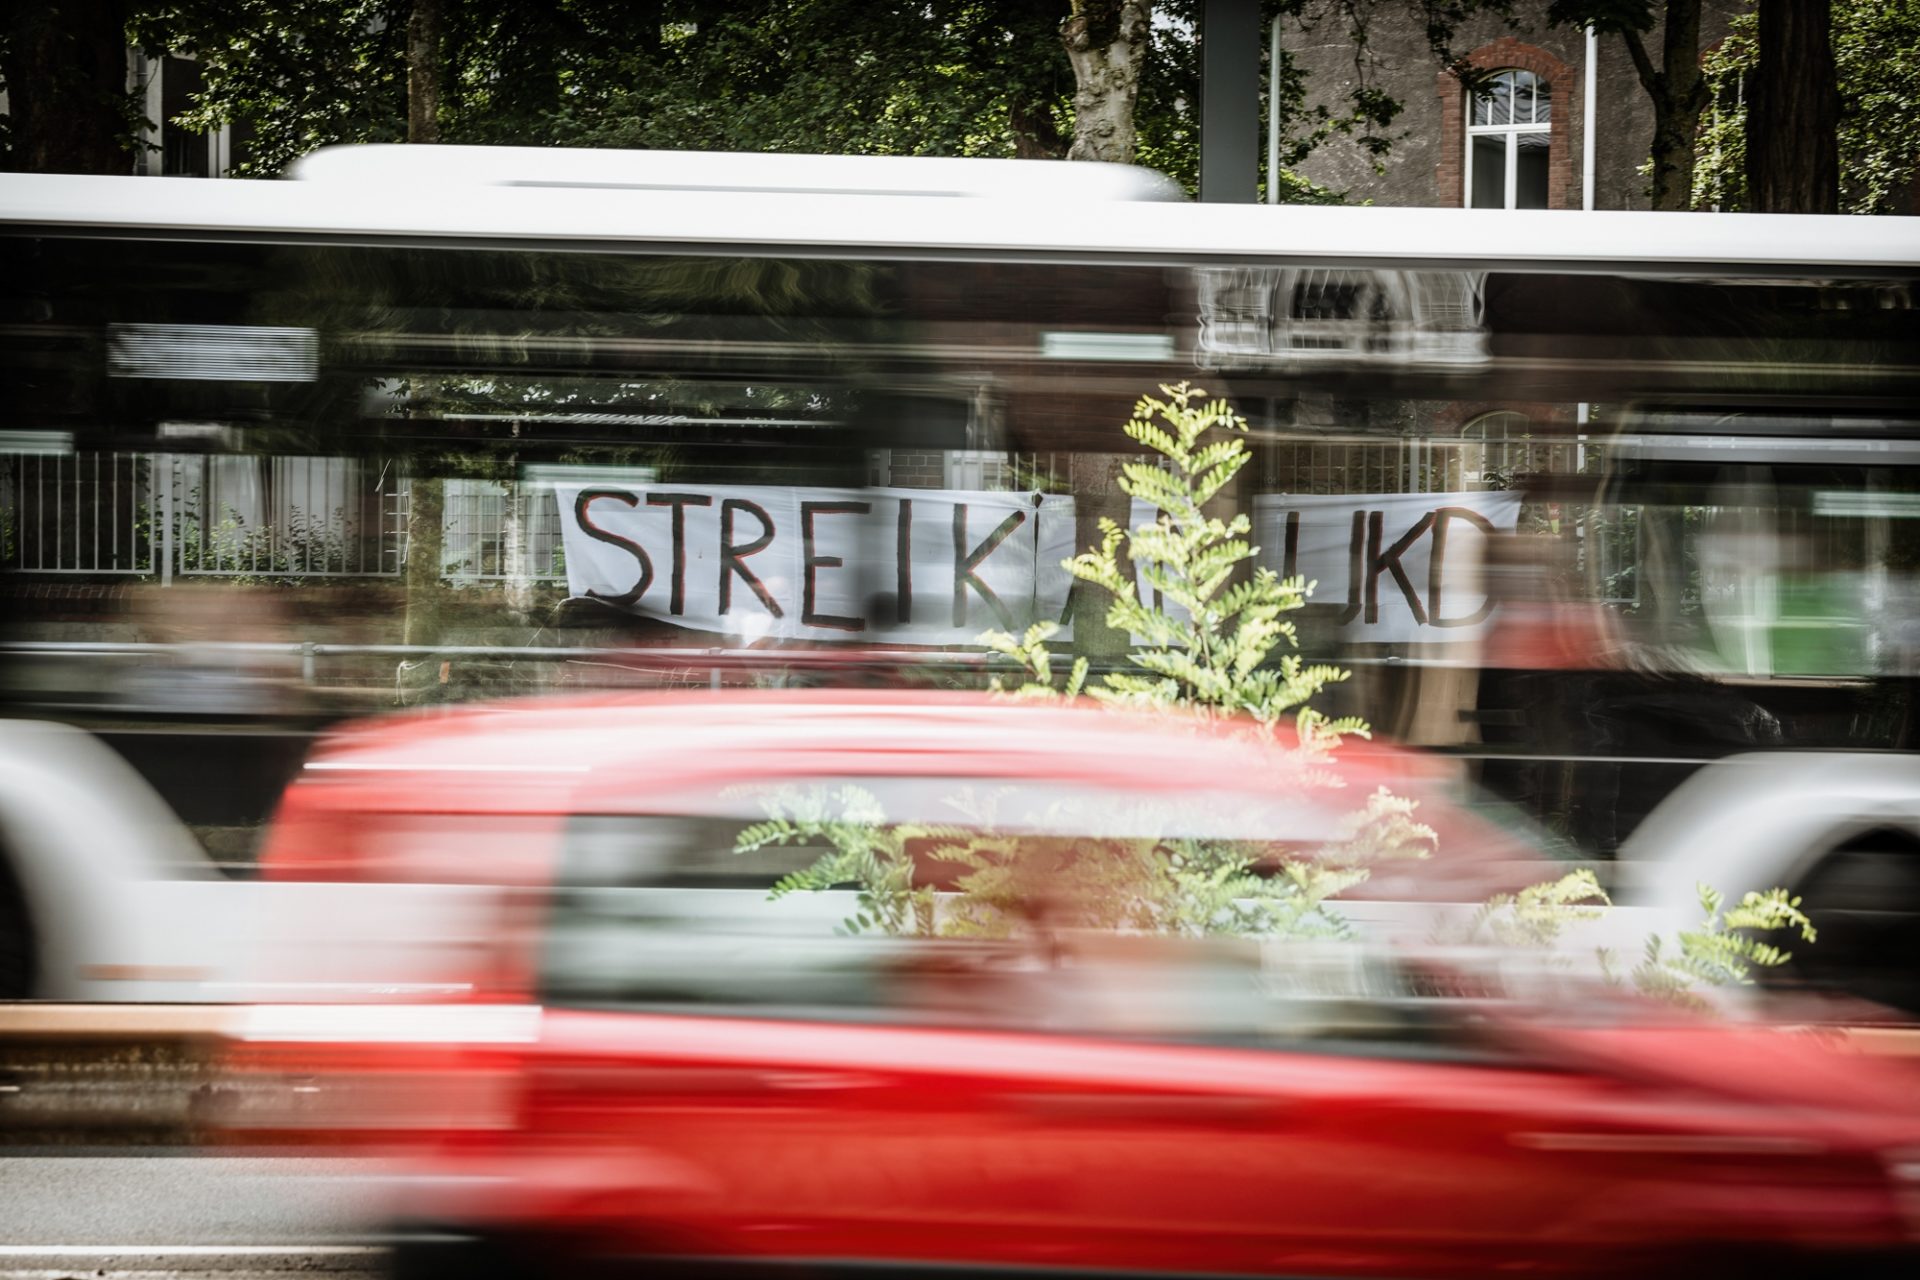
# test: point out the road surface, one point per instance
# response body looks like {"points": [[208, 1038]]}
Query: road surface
{"points": [[187, 1214]]}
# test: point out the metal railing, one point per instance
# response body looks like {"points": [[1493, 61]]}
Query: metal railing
{"points": [[1416, 464], [89, 513], [299, 517], [155, 515]]}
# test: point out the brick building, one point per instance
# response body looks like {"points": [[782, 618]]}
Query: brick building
{"points": [[1522, 147]]}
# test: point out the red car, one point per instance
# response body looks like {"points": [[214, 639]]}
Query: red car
{"points": [[1013, 1076], [686, 1138], [1416, 1142], [484, 793]]}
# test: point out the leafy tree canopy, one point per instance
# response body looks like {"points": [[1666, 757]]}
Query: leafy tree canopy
{"points": [[940, 77], [1876, 49]]}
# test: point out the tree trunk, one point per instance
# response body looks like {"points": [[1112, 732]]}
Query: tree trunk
{"points": [[1680, 94], [424, 29], [1675, 132], [1035, 136], [1107, 42], [66, 73], [1793, 112], [426, 502], [1095, 480], [426, 550]]}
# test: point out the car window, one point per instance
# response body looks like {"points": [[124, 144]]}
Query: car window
{"points": [[1019, 918]]}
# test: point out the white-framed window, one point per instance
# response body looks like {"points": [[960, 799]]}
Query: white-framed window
{"points": [[1496, 445], [167, 87], [996, 469], [1499, 447], [1508, 142]]}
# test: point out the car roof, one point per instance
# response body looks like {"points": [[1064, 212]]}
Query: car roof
{"points": [[500, 753]]}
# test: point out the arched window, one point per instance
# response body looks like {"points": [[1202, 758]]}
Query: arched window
{"points": [[1499, 447], [1508, 143]]}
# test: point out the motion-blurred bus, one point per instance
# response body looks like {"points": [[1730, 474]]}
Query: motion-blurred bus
{"points": [[1589, 499]]}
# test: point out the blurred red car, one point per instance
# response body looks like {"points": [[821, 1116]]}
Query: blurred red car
{"points": [[657, 1139], [824, 1140], [484, 794], [705, 1080]]}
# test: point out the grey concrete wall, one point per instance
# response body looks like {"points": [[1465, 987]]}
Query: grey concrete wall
{"points": [[1422, 169]]}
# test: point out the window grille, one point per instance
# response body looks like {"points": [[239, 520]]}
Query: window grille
{"points": [[993, 469], [486, 518]]}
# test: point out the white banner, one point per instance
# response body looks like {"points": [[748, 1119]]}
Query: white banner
{"points": [[908, 566], [1392, 568], [940, 566]]}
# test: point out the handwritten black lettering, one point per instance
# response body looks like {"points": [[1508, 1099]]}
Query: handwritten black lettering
{"points": [[903, 565], [1436, 566], [808, 510], [966, 565], [580, 514], [1356, 561], [677, 597], [1379, 562], [733, 555]]}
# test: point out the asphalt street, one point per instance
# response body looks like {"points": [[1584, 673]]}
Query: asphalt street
{"points": [[187, 1214]]}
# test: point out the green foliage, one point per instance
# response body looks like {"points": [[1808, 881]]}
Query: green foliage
{"points": [[1720, 171], [222, 543], [1206, 641], [298, 74], [862, 849], [1031, 653], [947, 78], [1539, 914], [1208, 629], [1210, 633], [1721, 950], [1876, 51], [838, 76], [950, 77], [1609, 17], [1009, 879]]}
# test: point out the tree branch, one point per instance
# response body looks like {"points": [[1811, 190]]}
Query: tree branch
{"points": [[1637, 50]]}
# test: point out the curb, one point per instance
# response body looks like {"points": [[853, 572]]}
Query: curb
{"points": [[193, 1259]]}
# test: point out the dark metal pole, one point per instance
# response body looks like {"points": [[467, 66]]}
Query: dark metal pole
{"points": [[1230, 101]]}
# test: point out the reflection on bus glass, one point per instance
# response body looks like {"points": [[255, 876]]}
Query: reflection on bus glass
{"points": [[1594, 518]]}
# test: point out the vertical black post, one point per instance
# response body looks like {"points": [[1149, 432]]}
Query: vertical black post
{"points": [[1230, 101]]}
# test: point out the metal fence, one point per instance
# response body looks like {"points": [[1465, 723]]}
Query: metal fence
{"points": [[91, 513], [1494, 456], [157, 515], [299, 517]]}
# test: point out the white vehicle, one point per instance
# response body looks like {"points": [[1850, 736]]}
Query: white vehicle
{"points": [[1839, 829], [242, 381], [104, 896]]}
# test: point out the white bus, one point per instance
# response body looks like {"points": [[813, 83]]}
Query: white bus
{"points": [[1697, 429]]}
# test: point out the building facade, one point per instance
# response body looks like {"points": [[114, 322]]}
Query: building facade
{"points": [[1522, 146]]}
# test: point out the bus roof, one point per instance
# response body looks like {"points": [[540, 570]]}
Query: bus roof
{"points": [[734, 172], [790, 223]]}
